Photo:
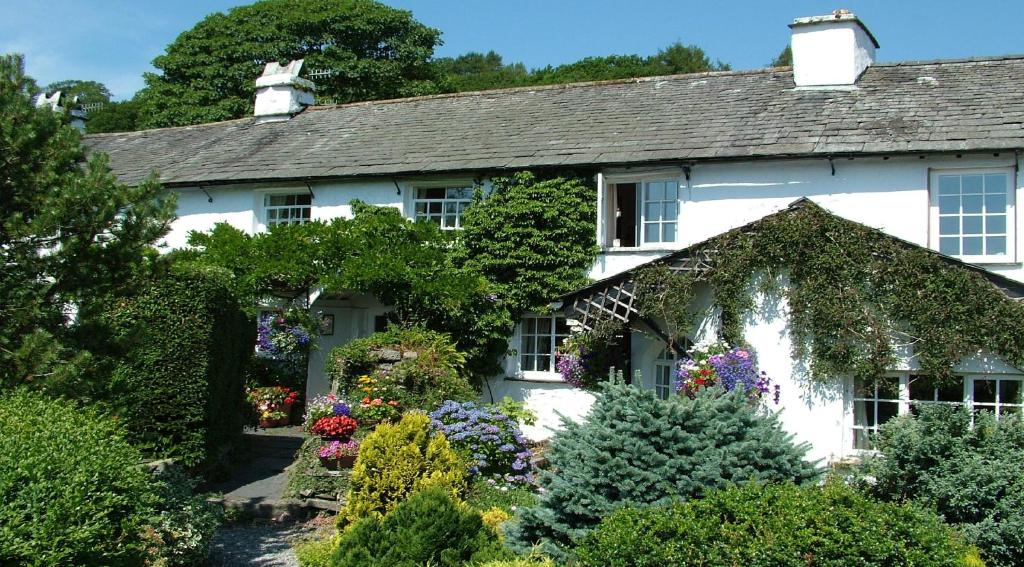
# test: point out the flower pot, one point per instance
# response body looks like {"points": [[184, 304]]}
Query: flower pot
{"points": [[329, 463], [343, 462]]}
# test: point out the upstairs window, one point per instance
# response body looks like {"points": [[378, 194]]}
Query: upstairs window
{"points": [[641, 213], [442, 205], [539, 339], [287, 209], [972, 214]]}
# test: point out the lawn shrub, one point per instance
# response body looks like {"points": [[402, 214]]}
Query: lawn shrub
{"points": [[179, 383], [973, 476], [430, 528], [636, 450], [485, 494], [758, 525], [71, 489], [398, 459], [491, 440], [315, 553], [182, 523], [435, 373]]}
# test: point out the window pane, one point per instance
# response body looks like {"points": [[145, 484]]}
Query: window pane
{"points": [[652, 212], [271, 214], [863, 413], [921, 388], [972, 224], [949, 205], [305, 199], [949, 225], [1009, 391], [544, 344], [544, 363], [651, 232], [434, 208], [530, 325], [995, 245], [669, 232], [464, 193], [949, 246], [949, 185], [529, 362], [887, 411], [972, 203], [995, 203], [951, 392], [995, 183], [888, 388], [671, 191], [561, 327], [995, 224], [451, 208], [529, 345], [862, 389], [656, 191], [306, 213], [861, 439], [985, 391], [671, 211], [972, 246], [430, 193], [544, 325], [421, 209], [971, 184]]}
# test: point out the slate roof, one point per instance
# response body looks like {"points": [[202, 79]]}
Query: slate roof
{"points": [[938, 106]]}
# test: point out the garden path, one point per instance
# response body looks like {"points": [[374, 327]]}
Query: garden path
{"points": [[258, 478]]}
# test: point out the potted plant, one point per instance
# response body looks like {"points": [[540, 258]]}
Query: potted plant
{"points": [[338, 454], [324, 406], [335, 427], [273, 404], [379, 402]]}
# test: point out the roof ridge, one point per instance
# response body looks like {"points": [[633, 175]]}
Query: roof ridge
{"points": [[955, 61], [169, 128]]}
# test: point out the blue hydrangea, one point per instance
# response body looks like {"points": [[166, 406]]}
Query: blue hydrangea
{"points": [[489, 437]]}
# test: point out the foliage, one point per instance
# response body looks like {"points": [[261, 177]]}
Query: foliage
{"points": [[207, 73], [267, 400], [973, 476], [488, 494], [380, 399], [534, 560], [636, 450], [481, 71], [71, 237], [586, 357], [88, 92], [490, 439], [324, 406], [315, 553], [120, 116], [429, 528], [783, 59], [533, 237], [675, 59], [395, 461], [287, 334], [423, 381], [73, 491], [516, 410], [718, 364], [337, 449], [775, 525], [181, 526], [335, 427], [667, 298], [178, 383], [307, 476]]}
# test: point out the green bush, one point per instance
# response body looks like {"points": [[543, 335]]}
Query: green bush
{"points": [[973, 476], [430, 528], [179, 381], [181, 525], [775, 526], [484, 494], [315, 553], [398, 459], [636, 450], [434, 375], [71, 488], [308, 475]]}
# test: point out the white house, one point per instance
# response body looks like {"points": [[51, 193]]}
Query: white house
{"points": [[928, 152]]}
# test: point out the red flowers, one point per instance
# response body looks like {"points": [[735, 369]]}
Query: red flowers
{"points": [[335, 427]]}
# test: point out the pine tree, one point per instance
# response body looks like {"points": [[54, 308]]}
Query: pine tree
{"points": [[636, 450]]}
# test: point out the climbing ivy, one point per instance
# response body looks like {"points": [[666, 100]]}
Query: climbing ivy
{"points": [[853, 293]]}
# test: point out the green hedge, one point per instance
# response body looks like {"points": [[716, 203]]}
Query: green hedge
{"points": [[776, 526], [71, 489], [179, 384]]}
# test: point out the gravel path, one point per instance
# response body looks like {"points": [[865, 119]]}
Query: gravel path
{"points": [[258, 544]]}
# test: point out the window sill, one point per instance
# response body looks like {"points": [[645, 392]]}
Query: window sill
{"points": [[636, 249], [537, 377], [984, 261]]}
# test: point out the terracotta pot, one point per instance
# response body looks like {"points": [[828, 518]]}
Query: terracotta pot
{"points": [[344, 462], [329, 463]]}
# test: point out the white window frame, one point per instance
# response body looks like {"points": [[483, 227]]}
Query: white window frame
{"points": [[1010, 255], [664, 374], [556, 339], [906, 404], [607, 206], [266, 207], [444, 202]]}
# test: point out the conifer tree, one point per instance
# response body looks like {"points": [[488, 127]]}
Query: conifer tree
{"points": [[636, 450]]}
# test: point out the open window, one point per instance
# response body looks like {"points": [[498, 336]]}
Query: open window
{"points": [[641, 213]]}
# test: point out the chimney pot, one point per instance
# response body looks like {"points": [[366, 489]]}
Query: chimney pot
{"points": [[281, 93], [831, 50]]}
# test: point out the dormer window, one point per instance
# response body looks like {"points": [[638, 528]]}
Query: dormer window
{"points": [[972, 214], [287, 209], [641, 213], [442, 205]]}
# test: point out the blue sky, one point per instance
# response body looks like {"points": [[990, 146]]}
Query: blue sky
{"points": [[114, 41]]}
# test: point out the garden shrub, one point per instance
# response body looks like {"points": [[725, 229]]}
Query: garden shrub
{"points": [[487, 494], [973, 476], [179, 382], [490, 439], [636, 450], [775, 526], [315, 553], [307, 476], [434, 375], [71, 489], [430, 528], [398, 459], [181, 525]]}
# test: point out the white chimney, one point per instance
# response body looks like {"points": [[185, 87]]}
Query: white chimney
{"points": [[832, 50], [53, 101], [280, 93]]}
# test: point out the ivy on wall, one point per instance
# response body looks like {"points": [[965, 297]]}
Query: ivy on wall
{"points": [[853, 293]]}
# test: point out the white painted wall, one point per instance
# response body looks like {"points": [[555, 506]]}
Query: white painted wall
{"points": [[353, 318], [551, 399], [891, 195]]}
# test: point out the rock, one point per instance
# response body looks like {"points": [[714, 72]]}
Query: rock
{"points": [[410, 355], [388, 355]]}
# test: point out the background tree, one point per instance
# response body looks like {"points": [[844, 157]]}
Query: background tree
{"points": [[88, 92], [71, 237], [475, 71], [207, 73], [113, 117], [783, 59]]}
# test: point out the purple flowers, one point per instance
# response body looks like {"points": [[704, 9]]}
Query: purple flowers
{"points": [[571, 367], [491, 438], [731, 368]]}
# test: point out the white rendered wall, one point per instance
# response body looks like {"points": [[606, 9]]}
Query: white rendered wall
{"points": [[353, 318], [550, 399], [891, 195]]}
